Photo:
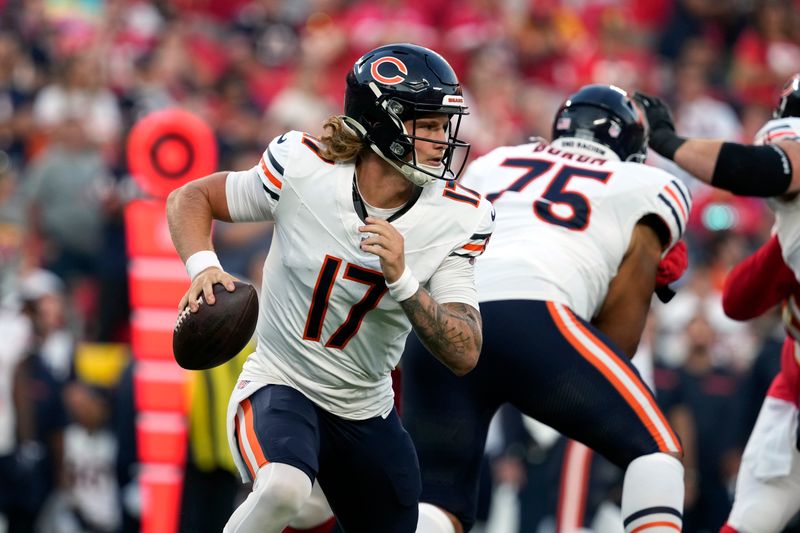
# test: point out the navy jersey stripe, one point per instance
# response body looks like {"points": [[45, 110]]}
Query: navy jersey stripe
{"points": [[652, 510], [674, 213], [275, 196], [779, 127], [680, 190], [476, 236], [275, 163]]}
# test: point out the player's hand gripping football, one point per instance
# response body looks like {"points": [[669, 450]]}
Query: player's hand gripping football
{"points": [[203, 284], [388, 244]]}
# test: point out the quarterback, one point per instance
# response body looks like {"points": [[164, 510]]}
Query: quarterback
{"points": [[565, 288], [373, 237]]}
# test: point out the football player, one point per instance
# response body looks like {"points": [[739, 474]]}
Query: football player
{"points": [[768, 484], [767, 169], [565, 288], [373, 237]]}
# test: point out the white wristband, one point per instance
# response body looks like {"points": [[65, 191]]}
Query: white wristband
{"points": [[200, 261], [405, 287]]}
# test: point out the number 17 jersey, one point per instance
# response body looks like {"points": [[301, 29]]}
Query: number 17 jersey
{"points": [[565, 221], [327, 325]]}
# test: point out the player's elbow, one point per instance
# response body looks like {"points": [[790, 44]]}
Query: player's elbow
{"points": [[180, 197], [465, 364]]}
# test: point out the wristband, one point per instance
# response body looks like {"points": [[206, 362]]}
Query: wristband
{"points": [[665, 142], [200, 261], [405, 287]]}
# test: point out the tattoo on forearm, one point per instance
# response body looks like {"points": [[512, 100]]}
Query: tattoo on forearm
{"points": [[449, 331]]}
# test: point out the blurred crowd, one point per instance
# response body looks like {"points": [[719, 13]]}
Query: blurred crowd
{"points": [[75, 75]]}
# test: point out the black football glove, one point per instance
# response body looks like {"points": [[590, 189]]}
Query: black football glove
{"points": [[662, 127]]}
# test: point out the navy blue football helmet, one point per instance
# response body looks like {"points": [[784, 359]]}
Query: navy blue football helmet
{"points": [[400, 82], [604, 114], [789, 104]]}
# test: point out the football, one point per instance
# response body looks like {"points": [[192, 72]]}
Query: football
{"points": [[216, 333]]}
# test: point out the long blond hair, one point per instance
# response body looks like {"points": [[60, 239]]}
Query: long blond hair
{"points": [[340, 143]]}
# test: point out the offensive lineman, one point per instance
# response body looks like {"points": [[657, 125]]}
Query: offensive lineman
{"points": [[370, 209], [768, 484], [565, 289]]}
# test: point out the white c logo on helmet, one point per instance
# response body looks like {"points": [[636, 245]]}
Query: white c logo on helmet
{"points": [[394, 80]]}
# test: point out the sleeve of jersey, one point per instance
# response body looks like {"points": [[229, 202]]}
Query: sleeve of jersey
{"points": [[272, 164], [454, 280], [246, 199], [758, 283], [476, 244], [673, 205], [253, 195], [782, 129]]}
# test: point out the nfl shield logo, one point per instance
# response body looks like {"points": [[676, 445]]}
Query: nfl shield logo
{"points": [[614, 130], [563, 123]]}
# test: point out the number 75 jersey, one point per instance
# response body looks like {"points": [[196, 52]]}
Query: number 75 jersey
{"points": [[565, 221]]}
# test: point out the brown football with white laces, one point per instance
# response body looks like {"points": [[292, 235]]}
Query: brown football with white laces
{"points": [[216, 333]]}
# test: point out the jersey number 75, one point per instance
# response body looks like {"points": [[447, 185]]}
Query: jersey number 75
{"points": [[556, 192]]}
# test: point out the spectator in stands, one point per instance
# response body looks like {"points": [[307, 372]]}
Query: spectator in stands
{"points": [[80, 88], [66, 189]]}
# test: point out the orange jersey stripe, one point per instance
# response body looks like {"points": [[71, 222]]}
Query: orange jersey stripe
{"points": [[778, 135], [630, 374], [676, 527], [249, 425], [242, 451], [475, 247], [677, 201], [272, 179], [608, 373]]}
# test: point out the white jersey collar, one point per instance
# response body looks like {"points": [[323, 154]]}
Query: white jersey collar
{"points": [[585, 147]]}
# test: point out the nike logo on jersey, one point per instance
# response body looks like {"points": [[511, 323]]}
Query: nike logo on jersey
{"points": [[281, 139]]}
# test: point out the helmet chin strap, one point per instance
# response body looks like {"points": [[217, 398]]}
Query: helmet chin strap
{"points": [[415, 176]]}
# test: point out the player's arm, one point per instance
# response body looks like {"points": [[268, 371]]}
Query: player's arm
{"points": [[624, 312], [190, 211], [748, 170], [758, 283], [450, 331]]}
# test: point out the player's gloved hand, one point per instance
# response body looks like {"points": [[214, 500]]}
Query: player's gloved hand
{"points": [[662, 136], [670, 269]]}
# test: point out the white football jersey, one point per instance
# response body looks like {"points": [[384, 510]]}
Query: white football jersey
{"points": [[787, 214], [565, 220], [327, 325]]}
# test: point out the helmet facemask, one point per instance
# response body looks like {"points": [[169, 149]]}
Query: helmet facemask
{"points": [[389, 138]]}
